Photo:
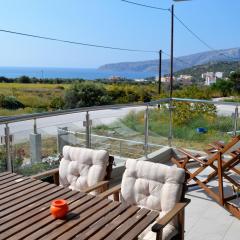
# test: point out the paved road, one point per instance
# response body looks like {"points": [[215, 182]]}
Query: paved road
{"points": [[225, 110], [49, 125]]}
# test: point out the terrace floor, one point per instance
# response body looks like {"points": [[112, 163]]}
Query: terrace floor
{"points": [[206, 220]]}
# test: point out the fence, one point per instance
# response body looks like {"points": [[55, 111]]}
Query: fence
{"points": [[32, 143]]}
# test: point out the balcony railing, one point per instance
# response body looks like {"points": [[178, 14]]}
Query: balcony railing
{"points": [[33, 142]]}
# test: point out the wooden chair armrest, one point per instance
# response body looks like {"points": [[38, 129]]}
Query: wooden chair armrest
{"points": [[112, 191], [53, 172], [162, 222], [103, 185]]}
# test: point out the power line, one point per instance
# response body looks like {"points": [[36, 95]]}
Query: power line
{"points": [[193, 33], [144, 5], [183, 24], [177, 59], [85, 44], [77, 43], [202, 41]]}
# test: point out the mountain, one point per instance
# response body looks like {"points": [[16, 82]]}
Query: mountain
{"points": [[151, 66], [196, 71]]}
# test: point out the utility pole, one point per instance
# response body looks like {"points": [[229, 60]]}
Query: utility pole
{"points": [[171, 81], [160, 72], [171, 60]]}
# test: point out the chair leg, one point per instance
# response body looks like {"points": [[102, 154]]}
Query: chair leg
{"points": [[181, 220], [116, 196], [159, 235], [56, 178]]}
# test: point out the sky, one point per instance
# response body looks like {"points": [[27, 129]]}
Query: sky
{"points": [[112, 23]]}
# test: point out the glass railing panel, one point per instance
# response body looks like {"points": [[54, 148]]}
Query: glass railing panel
{"points": [[119, 131], [36, 150], [3, 163], [195, 125], [159, 123]]}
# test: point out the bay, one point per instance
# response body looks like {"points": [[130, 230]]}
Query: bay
{"points": [[68, 73]]}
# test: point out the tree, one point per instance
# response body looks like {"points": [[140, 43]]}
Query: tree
{"points": [[57, 103], [24, 79], [224, 86], [235, 79], [10, 102], [86, 94]]}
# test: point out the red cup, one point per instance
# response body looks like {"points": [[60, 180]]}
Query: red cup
{"points": [[59, 208]]}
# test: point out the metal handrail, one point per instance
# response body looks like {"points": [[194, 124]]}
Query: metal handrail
{"points": [[25, 117], [205, 101]]}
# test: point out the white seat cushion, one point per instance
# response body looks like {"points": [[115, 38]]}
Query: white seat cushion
{"points": [[82, 167], [153, 186]]}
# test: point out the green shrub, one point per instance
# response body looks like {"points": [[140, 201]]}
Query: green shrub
{"points": [[10, 102], [86, 94], [57, 103]]}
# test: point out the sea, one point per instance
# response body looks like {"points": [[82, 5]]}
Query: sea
{"points": [[69, 73]]}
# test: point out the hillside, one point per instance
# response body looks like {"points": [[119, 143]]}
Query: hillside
{"points": [[227, 55], [196, 71]]}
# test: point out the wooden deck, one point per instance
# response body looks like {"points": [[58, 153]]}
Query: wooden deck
{"points": [[25, 214]]}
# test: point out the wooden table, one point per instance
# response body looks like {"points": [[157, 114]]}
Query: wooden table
{"points": [[24, 213]]}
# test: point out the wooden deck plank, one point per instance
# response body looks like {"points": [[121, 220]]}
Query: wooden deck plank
{"points": [[36, 215], [10, 179], [42, 187], [20, 192], [102, 222], [6, 176], [127, 225], [18, 189], [45, 193], [141, 226], [4, 173], [16, 185], [22, 214], [12, 183], [42, 222], [86, 223], [49, 225], [110, 227]]}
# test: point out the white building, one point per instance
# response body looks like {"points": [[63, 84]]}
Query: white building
{"points": [[185, 79], [164, 79], [211, 77]]}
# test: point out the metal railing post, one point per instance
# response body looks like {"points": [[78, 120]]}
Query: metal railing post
{"points": [[8, 139], [235, 125], [120, 149], [35, 126], [146, 130], [170, 137], [88, 124]]}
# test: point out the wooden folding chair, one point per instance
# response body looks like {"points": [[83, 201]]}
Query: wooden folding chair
{"points": [[222, 170]]}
